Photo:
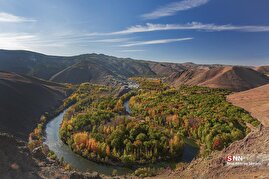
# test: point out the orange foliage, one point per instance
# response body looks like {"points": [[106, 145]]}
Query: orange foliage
{"points": [[217, 144], [81, 138], [119, 105], [92, 145], [172, 119], [107, 150], [137, 143]]}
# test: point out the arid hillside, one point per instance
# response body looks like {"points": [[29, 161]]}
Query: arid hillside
{"points": [[23, 100], [262, 69], [256, 101], [233, 78]]}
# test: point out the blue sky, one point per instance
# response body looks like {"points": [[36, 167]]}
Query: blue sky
{"points": [[200, 31]]}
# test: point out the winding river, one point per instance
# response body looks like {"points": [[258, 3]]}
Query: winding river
{"points": [[62, 150]]}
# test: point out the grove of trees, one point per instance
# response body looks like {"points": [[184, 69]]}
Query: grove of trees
{"points": [[97, 127]]}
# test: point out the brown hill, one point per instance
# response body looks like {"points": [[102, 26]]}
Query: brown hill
{"points": [[23, 100], [263, 69], [229, 77], [256, 101]]}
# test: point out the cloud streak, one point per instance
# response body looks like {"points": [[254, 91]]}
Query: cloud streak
{"points": [[6, 17], [29, 41], [172, 8], [189, 26], [153, 42], [15, 40], [114, 40]]}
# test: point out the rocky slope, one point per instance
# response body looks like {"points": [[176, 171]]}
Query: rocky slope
{"points": [[17, 162], [229, 77], [23, 100]]}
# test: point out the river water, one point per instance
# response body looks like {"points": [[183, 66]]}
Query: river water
{"points": [[62, 150], [126, 106]]}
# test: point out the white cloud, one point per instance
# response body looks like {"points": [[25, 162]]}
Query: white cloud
{"points": [[15, 40], [6, 17], [189, 26], [152, 42], [19, 41], [173, 8]]}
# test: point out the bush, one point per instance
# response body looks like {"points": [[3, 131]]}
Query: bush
{"points": [[145, 172], [114, 172]]}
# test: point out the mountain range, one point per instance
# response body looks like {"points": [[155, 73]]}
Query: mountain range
{"points": [[109, 70]]}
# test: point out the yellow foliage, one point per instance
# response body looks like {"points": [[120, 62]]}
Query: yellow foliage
{"points": [[119, 105], [132, 101]]}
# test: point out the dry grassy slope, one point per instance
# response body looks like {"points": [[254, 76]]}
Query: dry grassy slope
{"points": [[262, 69], [256, 101], [230, 77], [23, 100]]}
